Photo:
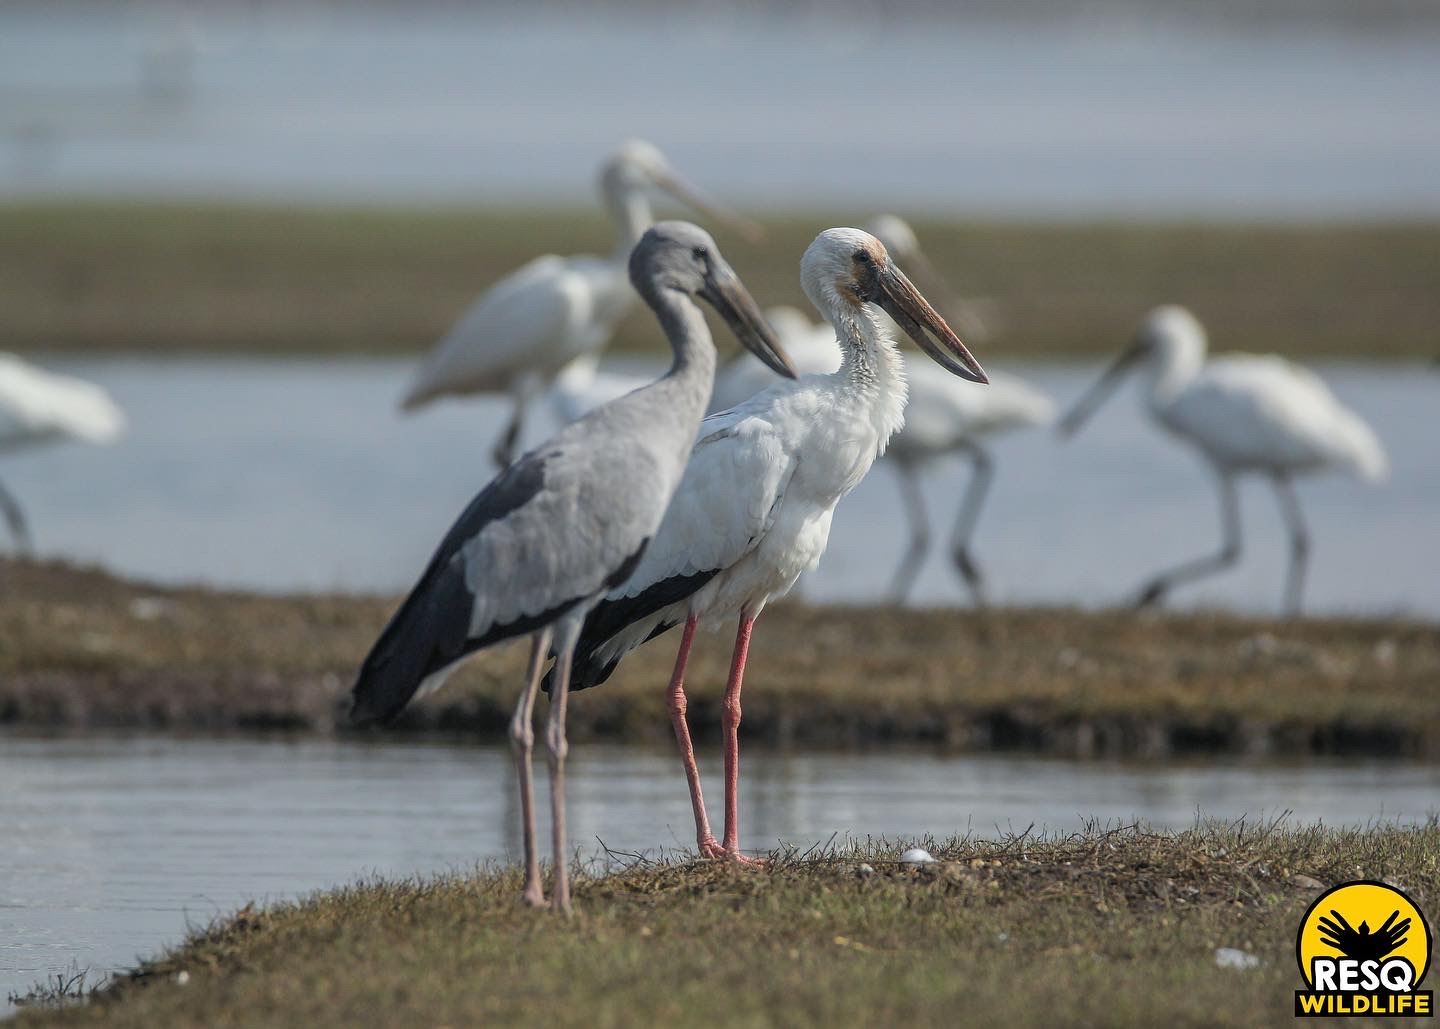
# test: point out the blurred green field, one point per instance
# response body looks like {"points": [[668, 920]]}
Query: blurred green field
{"points": [[117, 278]]}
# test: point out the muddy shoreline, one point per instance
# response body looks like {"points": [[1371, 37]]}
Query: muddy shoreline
{"points": [[81, 649]]}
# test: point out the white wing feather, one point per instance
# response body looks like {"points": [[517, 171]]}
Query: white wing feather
{"points": [[38, 406], [534, 321], [725, 503], [1265, 412]]}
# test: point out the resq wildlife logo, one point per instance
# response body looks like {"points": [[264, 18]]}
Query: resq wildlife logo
{"points": [[1363, 948]]}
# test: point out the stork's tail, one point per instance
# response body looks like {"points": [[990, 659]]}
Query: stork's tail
{"points": [[423, 641]]}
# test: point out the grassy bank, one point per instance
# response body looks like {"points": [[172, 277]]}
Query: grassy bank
{"points": [[165, 279], [1117, 928], [83, 649]]}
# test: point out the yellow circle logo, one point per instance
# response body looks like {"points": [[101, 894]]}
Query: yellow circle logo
{"points": [[1365, 945]]}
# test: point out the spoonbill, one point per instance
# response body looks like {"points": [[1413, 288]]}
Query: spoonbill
{"points": [[541, 545], [1244, 413], [38, 407], [753, 510], [545, 314], [944, 417]]}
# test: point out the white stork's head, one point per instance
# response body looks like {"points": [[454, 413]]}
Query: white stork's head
{"points": [[676, 256], [845, 269]]}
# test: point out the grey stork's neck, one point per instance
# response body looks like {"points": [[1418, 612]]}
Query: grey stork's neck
{"points": [[692, 375], [630, 210], [871, 368]]}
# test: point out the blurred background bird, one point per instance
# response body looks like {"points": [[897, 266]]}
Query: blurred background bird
{"points": [[555, 310], [1244, 414], [39, 407]]}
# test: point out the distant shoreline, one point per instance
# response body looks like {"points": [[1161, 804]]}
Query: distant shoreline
{"points": [[171, 279], [87, 650]]}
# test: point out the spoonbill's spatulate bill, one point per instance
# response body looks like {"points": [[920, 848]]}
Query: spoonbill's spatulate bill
{"points": [[1243, 413], [568, 521], [944, 416], [518, 335], [753, 510], [39, 407]]}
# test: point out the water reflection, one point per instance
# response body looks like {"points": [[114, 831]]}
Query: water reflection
{"points": [[114, 845]]}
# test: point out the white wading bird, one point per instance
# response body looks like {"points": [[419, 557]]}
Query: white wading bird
{"points": [[553, 532], [518, 335], [38, 407], [1244, 413], [944, 417], [753, 510]]}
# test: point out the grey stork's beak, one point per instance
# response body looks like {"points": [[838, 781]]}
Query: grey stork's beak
{"points": [[899, 298], [691, 195], [728, 295], [1097, 394]]}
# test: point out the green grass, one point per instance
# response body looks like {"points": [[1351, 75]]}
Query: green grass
{"points": [[83, 649], [1099, 928], [232, 279]]}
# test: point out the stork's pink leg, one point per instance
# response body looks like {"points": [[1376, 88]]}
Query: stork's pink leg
{"points": [[675, 701], [730, 725]]}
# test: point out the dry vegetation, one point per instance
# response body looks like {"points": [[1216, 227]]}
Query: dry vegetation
{"points": [[82, 649], [136, 278], [1100, 928]]}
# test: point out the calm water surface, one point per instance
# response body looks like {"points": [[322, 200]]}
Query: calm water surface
{"points": [[1095, 115], [113, 846], [285, 475]]}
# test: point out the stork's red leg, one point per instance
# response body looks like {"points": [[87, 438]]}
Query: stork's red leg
{"points": [[730, 726], [675, 701]]}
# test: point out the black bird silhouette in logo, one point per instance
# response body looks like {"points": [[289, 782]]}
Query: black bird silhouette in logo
{"points": [[1362, 944]]}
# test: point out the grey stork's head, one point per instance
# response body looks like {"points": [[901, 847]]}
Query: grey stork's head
{"points": [[682, 257]]}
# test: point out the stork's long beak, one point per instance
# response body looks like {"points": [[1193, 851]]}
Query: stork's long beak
{"points": [[688, 193], [912, 312], [1097, 394], [728, 295]]}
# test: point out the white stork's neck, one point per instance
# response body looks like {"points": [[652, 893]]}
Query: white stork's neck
{"points": [[871, 368], [629, 208]]}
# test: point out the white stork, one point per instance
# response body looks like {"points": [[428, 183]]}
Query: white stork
{"points": [[567, 522], [945, 417], [753, 510], [39, 407], [1243, 413], [528, 326]]}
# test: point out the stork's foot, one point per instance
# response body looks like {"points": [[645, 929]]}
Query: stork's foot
{"points": [[533, 896], [711, 848]]}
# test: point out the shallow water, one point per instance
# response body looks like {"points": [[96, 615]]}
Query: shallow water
{"points": [[113, 846], [286, 475], [1082, 115]]}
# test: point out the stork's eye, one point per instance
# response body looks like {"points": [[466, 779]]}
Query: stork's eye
{"points": [[700, 253], [862, 256]]}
